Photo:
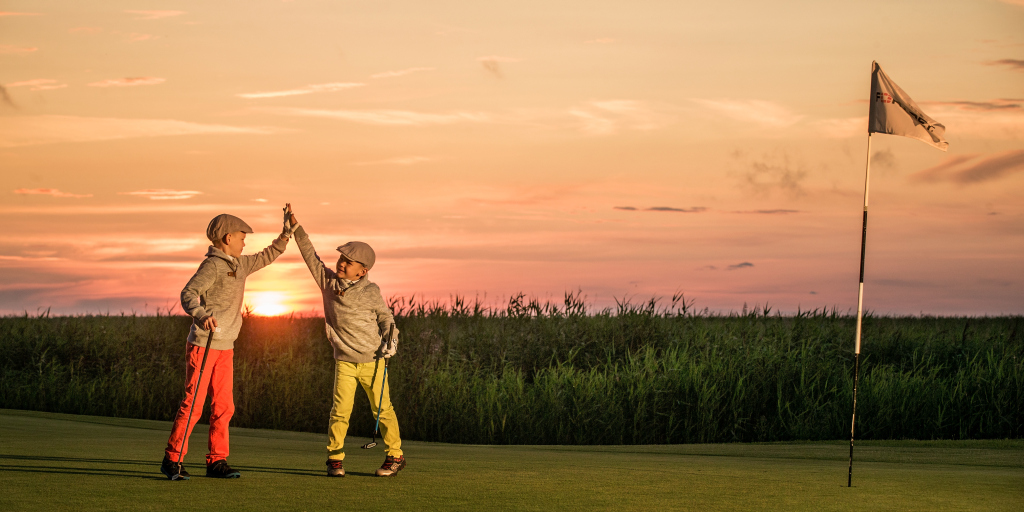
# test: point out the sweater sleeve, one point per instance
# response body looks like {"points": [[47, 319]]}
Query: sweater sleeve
{"points": [[385, 319], [321, 274], [191, 295], [253, 262]]}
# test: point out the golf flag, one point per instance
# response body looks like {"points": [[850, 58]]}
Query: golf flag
{"points": [[893, 112]]}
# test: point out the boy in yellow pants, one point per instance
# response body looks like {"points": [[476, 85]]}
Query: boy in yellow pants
{"points": [[357, 319]]}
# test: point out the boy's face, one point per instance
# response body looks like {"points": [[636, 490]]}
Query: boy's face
{"points": [[351, 270], [235, 243]]}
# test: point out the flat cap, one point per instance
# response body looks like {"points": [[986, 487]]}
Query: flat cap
{"points": [[224, 224], [359, 251]]}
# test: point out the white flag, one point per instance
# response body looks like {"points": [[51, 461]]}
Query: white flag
{"points": [[893, 112]]}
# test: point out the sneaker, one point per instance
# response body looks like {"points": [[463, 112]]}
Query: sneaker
{"points": [[335, 468], [391, 466], [220, 469], [173, 470]]}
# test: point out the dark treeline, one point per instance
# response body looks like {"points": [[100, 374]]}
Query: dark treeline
{"points": [[554, 374]]}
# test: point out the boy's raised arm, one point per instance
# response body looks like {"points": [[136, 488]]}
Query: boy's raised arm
{"points": [[254, 262], [321, 274]]}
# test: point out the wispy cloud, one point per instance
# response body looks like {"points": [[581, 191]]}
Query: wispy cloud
{"points": [[384, 117], [492, 63], [993, 119], [128, 81], [606, 117], [776, 170], [48, 192], [136, 37], [34, 130], [769, 212], [759, 112], [695, 209], [988, 169], [85, 30], [39, 84], [841, 128], [601, 40], [402, 160], [1000, 104], [308, 89], [745, 264], [155, 15], [10, 49], [19, 14], [1016, 64], [401, 72], [163, 193], [1013, 2]]}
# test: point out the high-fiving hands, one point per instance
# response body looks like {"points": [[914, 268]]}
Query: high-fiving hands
{"points": [[289, 224]]}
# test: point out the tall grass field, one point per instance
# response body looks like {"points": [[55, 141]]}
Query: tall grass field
{"points": [[537, 373]]}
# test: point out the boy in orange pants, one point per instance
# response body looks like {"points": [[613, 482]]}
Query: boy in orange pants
{"points": [[213, 297]]}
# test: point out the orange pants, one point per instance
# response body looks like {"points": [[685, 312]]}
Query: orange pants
{"points": [[217, 380]]}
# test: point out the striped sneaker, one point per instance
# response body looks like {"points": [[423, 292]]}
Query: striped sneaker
{"points": [[335, 468], [391, 466]]}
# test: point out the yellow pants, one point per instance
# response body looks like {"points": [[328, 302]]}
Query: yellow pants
{"points": [[370, 376]]}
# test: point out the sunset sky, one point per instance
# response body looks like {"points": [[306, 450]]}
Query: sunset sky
{"points": [[625, 149]]}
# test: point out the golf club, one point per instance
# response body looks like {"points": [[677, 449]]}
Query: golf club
{"points": [[184, 437], [384, 382]]}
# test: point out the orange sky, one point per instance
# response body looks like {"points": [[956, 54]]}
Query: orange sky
{"points": [[483, 149]]}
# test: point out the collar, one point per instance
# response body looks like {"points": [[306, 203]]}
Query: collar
{"points": [[214, 252]]}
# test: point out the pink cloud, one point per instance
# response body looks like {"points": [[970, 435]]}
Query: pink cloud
{"points": [[401, 72], [10, 49], [163, 193], [128, 82], [85, 30], [309, 89], [988, 169], [48, 192], [39, 84], [155, 15]]}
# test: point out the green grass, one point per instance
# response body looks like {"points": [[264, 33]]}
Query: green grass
{"points": [[56, 461]]}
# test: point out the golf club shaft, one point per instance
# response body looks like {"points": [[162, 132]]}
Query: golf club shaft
{"points": [[199, 381], [384, 381]]}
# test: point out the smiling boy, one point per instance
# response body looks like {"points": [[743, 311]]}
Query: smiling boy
{"points": [[213, 298], [356, 320]]}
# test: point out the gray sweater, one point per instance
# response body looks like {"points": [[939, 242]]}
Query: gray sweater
{"points": [[217, 289], [356, 316]]}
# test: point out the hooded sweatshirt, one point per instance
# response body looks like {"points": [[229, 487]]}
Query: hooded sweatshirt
{"points": [[217, 289], [356, 316]]}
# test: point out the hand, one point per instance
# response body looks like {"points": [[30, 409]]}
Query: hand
{"points": [[210, 324], [288, 228], [389, 349]]}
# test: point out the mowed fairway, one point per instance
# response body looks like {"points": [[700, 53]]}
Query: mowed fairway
{"points": [[57, 461]]}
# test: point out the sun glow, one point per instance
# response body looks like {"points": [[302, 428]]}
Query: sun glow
{"points": [[267, 303]]}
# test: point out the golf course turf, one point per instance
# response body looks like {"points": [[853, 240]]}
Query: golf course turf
{"points": [[58, 461]]}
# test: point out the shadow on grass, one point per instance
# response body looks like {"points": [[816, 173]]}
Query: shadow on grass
{"points": [[129, 473]]}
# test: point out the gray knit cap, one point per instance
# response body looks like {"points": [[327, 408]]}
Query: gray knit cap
{"points": [[360, 252], [224, 224]]}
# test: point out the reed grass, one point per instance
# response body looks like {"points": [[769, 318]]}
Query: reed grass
{"points": [[543, 373]]}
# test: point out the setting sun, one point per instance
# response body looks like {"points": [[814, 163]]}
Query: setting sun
{"points": [[267, 303]]}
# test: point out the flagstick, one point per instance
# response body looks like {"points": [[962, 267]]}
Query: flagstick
{"points": [[860, 310]]}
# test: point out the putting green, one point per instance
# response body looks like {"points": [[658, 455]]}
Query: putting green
{"points": [[58, 461]]}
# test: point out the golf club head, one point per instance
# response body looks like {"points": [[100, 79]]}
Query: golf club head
{"points": [[175, 478], [369, 445]]}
